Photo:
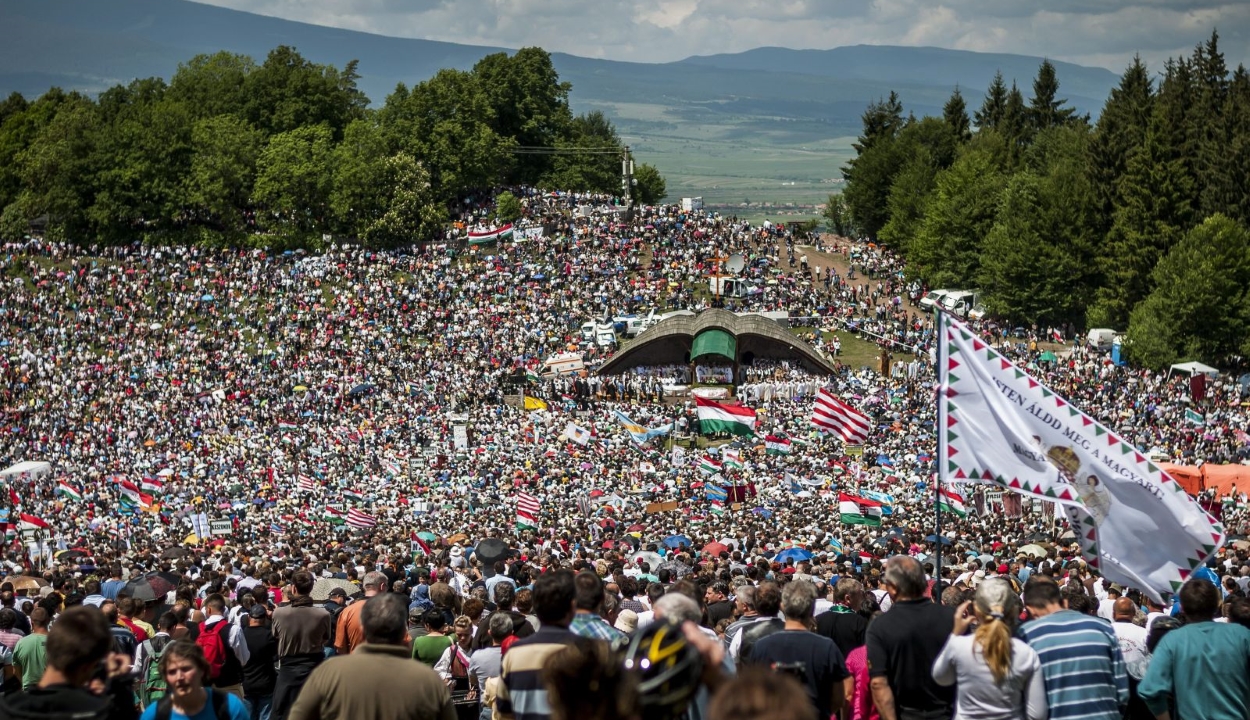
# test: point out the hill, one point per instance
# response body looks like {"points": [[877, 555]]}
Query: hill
{"points": [[766, 124]]}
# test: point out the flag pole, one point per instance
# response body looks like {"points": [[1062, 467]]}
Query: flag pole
{"points": [[939, 396]]}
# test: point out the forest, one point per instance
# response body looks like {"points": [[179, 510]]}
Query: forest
{"points": [[287, 152], [1136, 221]]}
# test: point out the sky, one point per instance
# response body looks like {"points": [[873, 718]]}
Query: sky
{"points": [[1104, 33]]}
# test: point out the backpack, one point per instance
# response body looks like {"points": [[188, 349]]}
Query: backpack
{"points": [[219, 701], [213, 644], [154, 687]]}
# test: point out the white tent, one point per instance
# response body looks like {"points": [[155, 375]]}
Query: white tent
{"points": [[1194, 368], [31, 468]]}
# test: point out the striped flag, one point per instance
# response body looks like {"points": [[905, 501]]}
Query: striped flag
{"points": [[886, 500], [31, 522], [420, 544], [152, 485], [952, 501], [306, 484], [717, 417], [527, 510], [360, 519], [65, 489], [131, 495], [716, 493], [333, 515], [859, 511], [832, 414], [481, 237], [733, 460], [277, 529], [349, 494], [774, 445], [287, 425], [708, 466]]}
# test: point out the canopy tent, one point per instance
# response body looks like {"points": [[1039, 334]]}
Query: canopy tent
{"points": [[31, 468], [714, 342], [1188, 476], [1223, 479], [1193, 368]]}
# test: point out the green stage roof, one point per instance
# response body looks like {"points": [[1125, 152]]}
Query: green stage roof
{"points": [[714, 342]]}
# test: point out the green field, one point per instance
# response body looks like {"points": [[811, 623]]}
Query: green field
{"points": [[751, 166]]}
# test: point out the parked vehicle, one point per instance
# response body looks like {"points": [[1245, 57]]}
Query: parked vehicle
{"points": [[932, 298]]}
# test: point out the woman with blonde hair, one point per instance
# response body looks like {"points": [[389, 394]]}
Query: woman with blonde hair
{"points": [[998, 677]]}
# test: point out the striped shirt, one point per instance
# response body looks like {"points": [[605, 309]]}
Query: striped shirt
{"points": [[521, 692], [1081, 665]]}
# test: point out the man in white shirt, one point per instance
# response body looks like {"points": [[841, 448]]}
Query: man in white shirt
{"points": [[1106, 606]]}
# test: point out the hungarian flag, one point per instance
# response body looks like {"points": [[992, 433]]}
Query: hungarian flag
{"points": [[830, 413], [708, 466], [774, 445], [733, 460], [952, 501], [482, 237], [859, 511], [349, 494], [152, 485], [287, 425], [333, 515], [133, 496], [1000, 426], [360, 519], [30, 522], [65, 489], [421, 544], [717, 417], [717, 507], [527, 510]]}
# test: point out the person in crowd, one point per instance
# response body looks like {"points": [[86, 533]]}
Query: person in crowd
{"points": [[348, 633], [588, 621], [224, 646], [903, 644], [147, 661], [813, 659], [184, 666], [334, 604], [842, 623], [30, 657], [1202, 667], [522, 695], [767, 599], [996, 676], [377, 681], [259, 675], [301, 630], [485, 663], [1071, 644]]}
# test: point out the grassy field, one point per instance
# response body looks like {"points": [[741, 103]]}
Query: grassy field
{"points": [[748, 166]]}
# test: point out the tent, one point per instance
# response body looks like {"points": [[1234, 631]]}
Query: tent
{"points": [[1226, 479], [30, 468], [1188, 476], [1193, 368]]}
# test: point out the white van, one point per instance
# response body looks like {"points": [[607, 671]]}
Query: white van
{"points": [[1101, 339], [932, 298], [589, 329], [959, 302], [605, 336]]}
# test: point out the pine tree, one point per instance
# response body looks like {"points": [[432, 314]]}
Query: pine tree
{"points": [[1121, 128], [955, 112], [870, 173], [1015, 125], [1046, 110], [1211, 121], [995, 105]]}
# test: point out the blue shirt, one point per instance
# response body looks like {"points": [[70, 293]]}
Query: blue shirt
{"points": [[1081, 665], [1205, 668], [239, 710], [590, 625], [110, 587]]}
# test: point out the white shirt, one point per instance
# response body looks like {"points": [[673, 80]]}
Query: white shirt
{"points": [[1133, 648]]}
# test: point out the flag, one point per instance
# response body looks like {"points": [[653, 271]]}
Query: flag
{"points": [[708, 466], [31, 522], [1194, 418], [716, 417], [834, 544], [360, 519], [152, 485], [797, 489], [333, 515], [306, 484], [349, 494], [1000, 426], [1056, 336], [421, 544], [951, 501], [733, 460], [533, 403], [577, 433], [717, 507], [131, 495], [67, 490], [886, 500], [859, 511], [532, 376], [638, 433], [830, 413], [527, 510], [287, 425], [482, 237], [277, 529], [740, 493], [774, 445], [716, 493]]}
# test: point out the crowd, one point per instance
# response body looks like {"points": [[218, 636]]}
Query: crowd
{"points": [[260, 460]]}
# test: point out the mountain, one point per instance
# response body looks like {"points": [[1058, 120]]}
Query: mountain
{"points": [[769, 122]]}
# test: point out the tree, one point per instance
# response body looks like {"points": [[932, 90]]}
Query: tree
{"points": [[507, 207], [1015, 126], [955, 113], [288, 92], [1121, 128], [293, 182], [649, 185], [212, 85], [994, 107], [928, 146], [1046, 110], [839, 217], [530, 105], [870, 173], [590, 160], [225, 150], [946, 251], [55, 171], [1199, 308]]}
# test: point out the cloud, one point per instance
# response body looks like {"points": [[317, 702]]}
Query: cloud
{"points": [[1092, 32]]}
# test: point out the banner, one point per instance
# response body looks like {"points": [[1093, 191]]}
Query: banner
{"points": [[1005, 428]]}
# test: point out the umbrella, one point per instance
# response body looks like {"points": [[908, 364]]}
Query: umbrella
{"points": [[1068, 536], [71, 554], [1036, 551], [360, 389], [795, 554], [729, 542], [635, 528], [715, 548], [676, 541], [457, 538], [427, 536], [491, 551], [1039, 537], [175, 552], [1047, 356], [1241, 544], [934, 538], [27, 582], [652, 559], [143, 590], [322, 587]]}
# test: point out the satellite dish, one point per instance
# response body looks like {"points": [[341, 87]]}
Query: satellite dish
{"points": [[735, 263]]}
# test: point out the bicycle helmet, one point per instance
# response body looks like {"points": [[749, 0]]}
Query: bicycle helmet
{"points": [[668, 668]]}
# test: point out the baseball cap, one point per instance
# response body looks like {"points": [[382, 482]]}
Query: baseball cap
{"points": [[338, 592], [258, 612]]}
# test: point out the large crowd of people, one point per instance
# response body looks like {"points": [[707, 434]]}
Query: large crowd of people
{"points": [[258, 461]]}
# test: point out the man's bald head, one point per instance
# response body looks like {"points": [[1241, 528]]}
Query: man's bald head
{"points": [[1124, 609]]}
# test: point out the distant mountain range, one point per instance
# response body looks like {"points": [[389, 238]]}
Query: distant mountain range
{"points": [[773, 97]]}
